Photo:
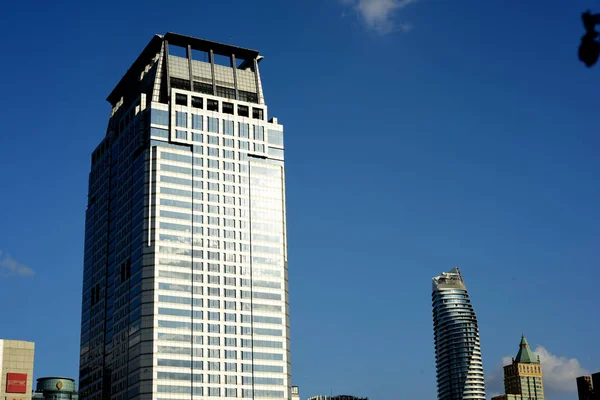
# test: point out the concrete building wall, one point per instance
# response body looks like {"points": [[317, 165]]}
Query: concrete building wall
{"points": [[16, 363]]}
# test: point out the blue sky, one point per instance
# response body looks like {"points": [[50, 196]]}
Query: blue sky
{"points": [[420, 135]]}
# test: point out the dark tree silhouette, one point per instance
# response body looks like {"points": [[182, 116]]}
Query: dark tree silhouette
{"points": [[589, 49]]}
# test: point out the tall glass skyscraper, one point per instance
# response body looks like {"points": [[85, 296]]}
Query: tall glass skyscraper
{"points": [[185, 291], [457, 348]]}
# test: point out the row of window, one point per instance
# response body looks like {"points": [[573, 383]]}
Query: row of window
{"points": [[227, 234], [231, 293], [227, 366], [210, 243], [216, 353], [230, 269], [214, 291], [216, 164], [213, 105], [216, 232], [199, 162], [216, 340], [216, 392], [212, 378], [215, 328], [227, 317], [213, 125]]}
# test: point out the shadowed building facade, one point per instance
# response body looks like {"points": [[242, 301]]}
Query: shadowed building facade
{"points": [[459, 368], [185, 284], [523, 377], [588, 387]]}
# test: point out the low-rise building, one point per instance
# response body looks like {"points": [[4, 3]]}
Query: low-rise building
{"points": [[339, 397], [16, 367], [55, 388], [295, 393]]}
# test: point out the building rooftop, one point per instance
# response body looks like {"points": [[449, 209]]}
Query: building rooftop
{"points": [[154, 47], [449, 280], [525, 355]]}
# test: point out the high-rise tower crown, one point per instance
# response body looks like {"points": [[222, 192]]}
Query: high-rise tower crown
{"points": [[525, 355]]}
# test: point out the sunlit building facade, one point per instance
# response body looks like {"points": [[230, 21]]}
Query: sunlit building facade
{"points": [[523, 378], [16, 369], [459, 366], [185, 291]]}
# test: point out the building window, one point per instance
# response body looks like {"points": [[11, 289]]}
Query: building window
{"points": [[247, 96], [227, 127], [213, 125], [225, 92], [257, 113], [159, 117], [275, 137], [243, 111], [180, 99], [197, 102], [228, 108], [276, 153], [197, 122], [181, 134], [259, 132], [212, 105], [243, 130], [181, 119]]}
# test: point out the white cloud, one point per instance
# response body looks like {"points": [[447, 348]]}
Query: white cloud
{"points": [[10, 266], [559, 374], [378, 14]]}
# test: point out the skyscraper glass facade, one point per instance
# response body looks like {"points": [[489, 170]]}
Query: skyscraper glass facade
{"points": [[185, 290], [456, 334]]}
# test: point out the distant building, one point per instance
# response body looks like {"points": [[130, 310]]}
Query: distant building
{"points": [[56, 388], [584, 388], [459, 368], [523, 377], [16, 366], [295, 393], [339, 397], [588, 387]]}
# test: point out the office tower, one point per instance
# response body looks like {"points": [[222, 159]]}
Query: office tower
{"points": [[588, 387], [456, 333], [596, 385], [523, 377], [185, 291], [16, 368], [295, 393]]}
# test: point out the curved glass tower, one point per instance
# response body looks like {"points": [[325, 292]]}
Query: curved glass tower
{"points": [[457, 347]]}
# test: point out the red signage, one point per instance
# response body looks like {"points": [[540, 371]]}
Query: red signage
{"points": [[16, 383]]}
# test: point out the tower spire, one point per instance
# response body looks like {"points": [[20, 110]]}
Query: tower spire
{"points": [[525, 355]]}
